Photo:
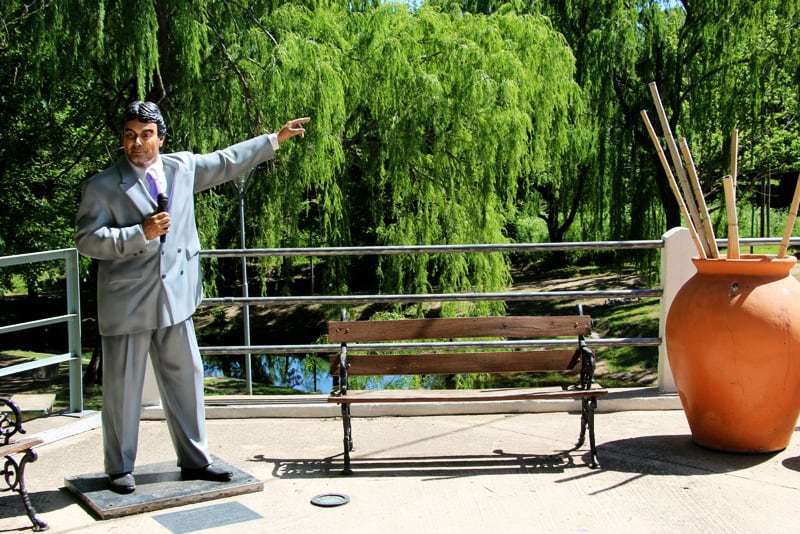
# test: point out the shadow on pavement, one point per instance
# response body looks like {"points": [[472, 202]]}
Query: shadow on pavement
{"points": [[43, 502], [456, 466], [670, 455], [673, 455]]}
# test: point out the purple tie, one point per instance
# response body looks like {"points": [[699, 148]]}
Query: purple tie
{"points": [[152, 180]]}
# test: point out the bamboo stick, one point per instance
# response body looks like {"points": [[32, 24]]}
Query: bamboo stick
{"points": [[702, 207], [691, 202], [787, 232], [733, 217], [674, 186], [734, 157]]}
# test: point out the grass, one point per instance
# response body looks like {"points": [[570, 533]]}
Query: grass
{"points": [[93, 395], [25, 354], [237, 386]]}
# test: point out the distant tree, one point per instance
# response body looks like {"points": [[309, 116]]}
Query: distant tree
{"points": [[50, 134]]}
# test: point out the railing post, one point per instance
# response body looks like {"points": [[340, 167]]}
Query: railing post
{"points": [[676, 269], [72, 273]]}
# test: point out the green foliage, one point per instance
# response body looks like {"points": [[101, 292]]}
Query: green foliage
{"points": [[439, 122], [425, 126], [718, 65]]}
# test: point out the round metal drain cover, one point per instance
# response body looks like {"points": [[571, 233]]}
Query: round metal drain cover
{"points": [[330, 499]]}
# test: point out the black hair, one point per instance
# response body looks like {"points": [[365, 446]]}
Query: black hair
{"points": [[146, 112]]}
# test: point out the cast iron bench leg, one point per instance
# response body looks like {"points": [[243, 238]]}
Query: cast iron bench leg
{"points": [[589, 406], [14, 474], [348, 438]]}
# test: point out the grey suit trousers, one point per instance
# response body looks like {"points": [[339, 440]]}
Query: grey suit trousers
{"points": [[174, 351]]}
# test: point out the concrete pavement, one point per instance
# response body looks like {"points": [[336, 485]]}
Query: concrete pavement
{"points": [[491, 472]]}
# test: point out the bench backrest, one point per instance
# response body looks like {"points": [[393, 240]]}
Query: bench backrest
{"points": [[460, 328]]}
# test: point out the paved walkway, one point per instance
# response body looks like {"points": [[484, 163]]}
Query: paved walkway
{"points": [[449, 473]]}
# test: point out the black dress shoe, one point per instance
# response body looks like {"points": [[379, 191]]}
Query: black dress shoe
{"points": [[122, 483], [209, 472]]}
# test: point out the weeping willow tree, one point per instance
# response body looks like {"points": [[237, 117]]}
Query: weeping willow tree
{"points": [[427, 127], [708, 59], [453, 114], [719, 65]]}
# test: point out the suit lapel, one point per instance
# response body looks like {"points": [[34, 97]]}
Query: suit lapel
{"points": [[134, 189], [170, 168]]}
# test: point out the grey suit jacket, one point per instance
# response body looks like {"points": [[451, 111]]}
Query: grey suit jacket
{"points": [[144, 285]]}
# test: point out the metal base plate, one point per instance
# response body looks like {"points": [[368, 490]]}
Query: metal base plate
{"points": [[330, 499], [158, 486]]}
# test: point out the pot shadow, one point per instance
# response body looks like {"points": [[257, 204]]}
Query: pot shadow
{"points": [[668, 455], [673, 455], [792, 463]]}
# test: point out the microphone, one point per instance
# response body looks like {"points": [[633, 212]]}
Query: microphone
{"points": [[163, 200]]}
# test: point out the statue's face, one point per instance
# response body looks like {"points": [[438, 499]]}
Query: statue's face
{"points": [[141, 142]]}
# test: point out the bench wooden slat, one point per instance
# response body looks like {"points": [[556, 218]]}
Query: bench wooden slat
{"points": [[457, 363], [459, 327], [463, 395], [19, 446]]}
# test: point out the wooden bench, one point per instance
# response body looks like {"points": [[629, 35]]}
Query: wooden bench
{"points": [[450, 357], [14, 471]]}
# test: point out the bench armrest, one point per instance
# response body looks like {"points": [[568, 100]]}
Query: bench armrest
{"points": [[10, 420]]}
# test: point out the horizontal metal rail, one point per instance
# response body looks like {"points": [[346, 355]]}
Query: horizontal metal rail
{"points": [[35, 364], [431, 249], [325, 348], [35, 257], [39, 322], [436, 297], [450, 249]]}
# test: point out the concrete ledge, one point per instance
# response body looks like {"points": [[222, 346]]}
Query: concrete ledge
{"points": [[316, 406], [64, 426], [305, 406], [34, 403], [634, 399]]}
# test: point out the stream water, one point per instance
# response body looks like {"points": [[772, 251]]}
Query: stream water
{"points": [[283, 371]]}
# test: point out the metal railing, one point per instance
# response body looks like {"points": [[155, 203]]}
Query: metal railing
{"points": [[72, 318], [350, 300], [345, 300]]}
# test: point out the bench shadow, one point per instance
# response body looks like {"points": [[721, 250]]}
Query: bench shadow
{"points": [[43, 502], [438, 467]]}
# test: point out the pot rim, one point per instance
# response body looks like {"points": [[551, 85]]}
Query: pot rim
{"points": [[754, 264]]}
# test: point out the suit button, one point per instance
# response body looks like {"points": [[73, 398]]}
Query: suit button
{"points": [[179, 251], [163, 276]]}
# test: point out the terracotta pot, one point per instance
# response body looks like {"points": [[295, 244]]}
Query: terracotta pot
{"points": [[733, 342]]}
